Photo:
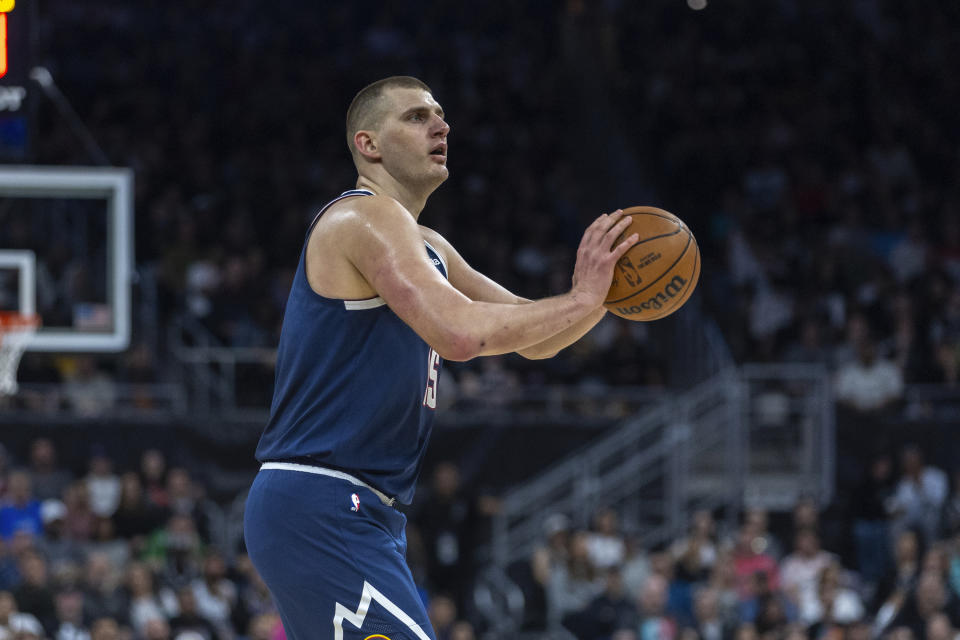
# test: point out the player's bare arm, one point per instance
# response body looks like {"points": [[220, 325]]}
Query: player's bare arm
{"points": [[382, 241], [478, 286]]}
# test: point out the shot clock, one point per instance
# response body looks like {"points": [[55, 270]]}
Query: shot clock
{"points": [[15, 86]]}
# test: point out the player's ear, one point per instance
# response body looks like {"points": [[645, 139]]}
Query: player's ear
{"points": [[366, 144]]}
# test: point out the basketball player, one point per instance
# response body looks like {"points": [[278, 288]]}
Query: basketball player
{"points": [[376, 304]]}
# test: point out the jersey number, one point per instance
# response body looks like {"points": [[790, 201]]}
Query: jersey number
{"points": [[430, 395]]}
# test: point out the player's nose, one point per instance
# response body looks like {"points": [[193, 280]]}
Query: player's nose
{"points": [[440, 127]]}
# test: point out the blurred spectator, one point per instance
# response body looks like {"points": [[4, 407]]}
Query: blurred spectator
{"points": [[442, 612], [17, 625], [612, 610], [4, 471], [929, 598], [59, 549], [806, 514], [35, 594], [153, 471], [892, 591], [830, 603], [908, 259], [810, 347], [188, 619], [871, 527], [750, 559], [696, 554], [80, 520], [101, 596], [535, 576], [869, 384], [102, 484], [20, 511], [447, 520], [134, 516], [89, 390], [950, 521], [758, 520], [605, 543], [14, 550], [264, 627], [104, 629], [799, 571], [147, 602], [462, 630], [576, 582], [725, 584], [49, 482], [636, 565], [708, 619], [255, 599], [9, 574], [655, 623], [176, 549], [773, 611], [939, 627], [158, 629], [767, 607], [69, 625], [215, 594], [106, 542], [920, 495], [185, 497]]}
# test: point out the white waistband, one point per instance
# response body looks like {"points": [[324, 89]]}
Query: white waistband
{"points": [[323, 471]]}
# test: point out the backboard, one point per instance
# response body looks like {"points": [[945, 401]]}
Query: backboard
{"points": [[66, 254]]}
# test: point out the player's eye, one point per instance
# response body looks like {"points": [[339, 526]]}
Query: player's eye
{"points": [[417, 117]]}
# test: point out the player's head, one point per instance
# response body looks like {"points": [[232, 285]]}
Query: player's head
{"points": [[397, 125]]}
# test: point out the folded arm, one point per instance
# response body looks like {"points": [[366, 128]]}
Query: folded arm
{"points": [[477, 286], [384, 243]]}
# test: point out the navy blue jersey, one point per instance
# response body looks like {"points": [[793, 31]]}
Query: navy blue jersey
{"points": [[355, 387]]}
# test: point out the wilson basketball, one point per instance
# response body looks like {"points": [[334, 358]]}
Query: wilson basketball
{"points": [[657, 275]]}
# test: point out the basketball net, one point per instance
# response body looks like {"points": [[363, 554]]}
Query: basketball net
{"points": [[16, 330]]}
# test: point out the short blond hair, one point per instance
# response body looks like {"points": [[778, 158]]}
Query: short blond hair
{"points": [[366, 108]]}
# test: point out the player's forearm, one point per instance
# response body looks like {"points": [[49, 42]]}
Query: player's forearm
{"points": [[489, 328], [552, 345]]}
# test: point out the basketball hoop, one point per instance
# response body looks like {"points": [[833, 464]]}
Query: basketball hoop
{"points": [[16, 330]]}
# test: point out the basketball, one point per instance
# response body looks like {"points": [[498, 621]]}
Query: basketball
{"points": [[657, 275]]}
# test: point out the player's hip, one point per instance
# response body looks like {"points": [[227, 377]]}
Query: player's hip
{"points": [[322, 508], [333, 556]]}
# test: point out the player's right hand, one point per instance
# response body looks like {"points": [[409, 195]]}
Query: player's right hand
{"points": [[597, 256]]}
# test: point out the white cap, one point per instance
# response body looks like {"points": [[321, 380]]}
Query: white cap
{"points": [[51, 510], [25, 623]]}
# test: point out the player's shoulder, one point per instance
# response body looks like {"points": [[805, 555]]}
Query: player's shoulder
{"points": [[367, 208], [433, 237], [437, 241]]}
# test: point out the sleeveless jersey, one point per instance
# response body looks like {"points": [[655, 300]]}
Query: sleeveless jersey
{"points": [[355, 387]]}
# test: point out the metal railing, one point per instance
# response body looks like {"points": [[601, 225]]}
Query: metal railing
{"points": [[38, 401], [209, 368], [761, 435]]}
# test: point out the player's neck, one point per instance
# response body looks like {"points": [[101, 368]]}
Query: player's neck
{"points": [[411, 200]]}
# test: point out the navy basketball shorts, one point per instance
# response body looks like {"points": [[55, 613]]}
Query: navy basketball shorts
{"points": [[334, 558]]}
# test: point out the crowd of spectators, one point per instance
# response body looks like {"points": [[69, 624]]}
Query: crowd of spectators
{"points": [[136, 553], [888, 568], [130, 553], [809, 146], [813, 145], [113, 554]]}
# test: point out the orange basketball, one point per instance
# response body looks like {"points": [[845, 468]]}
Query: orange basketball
{"points": [[657, 275]]}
